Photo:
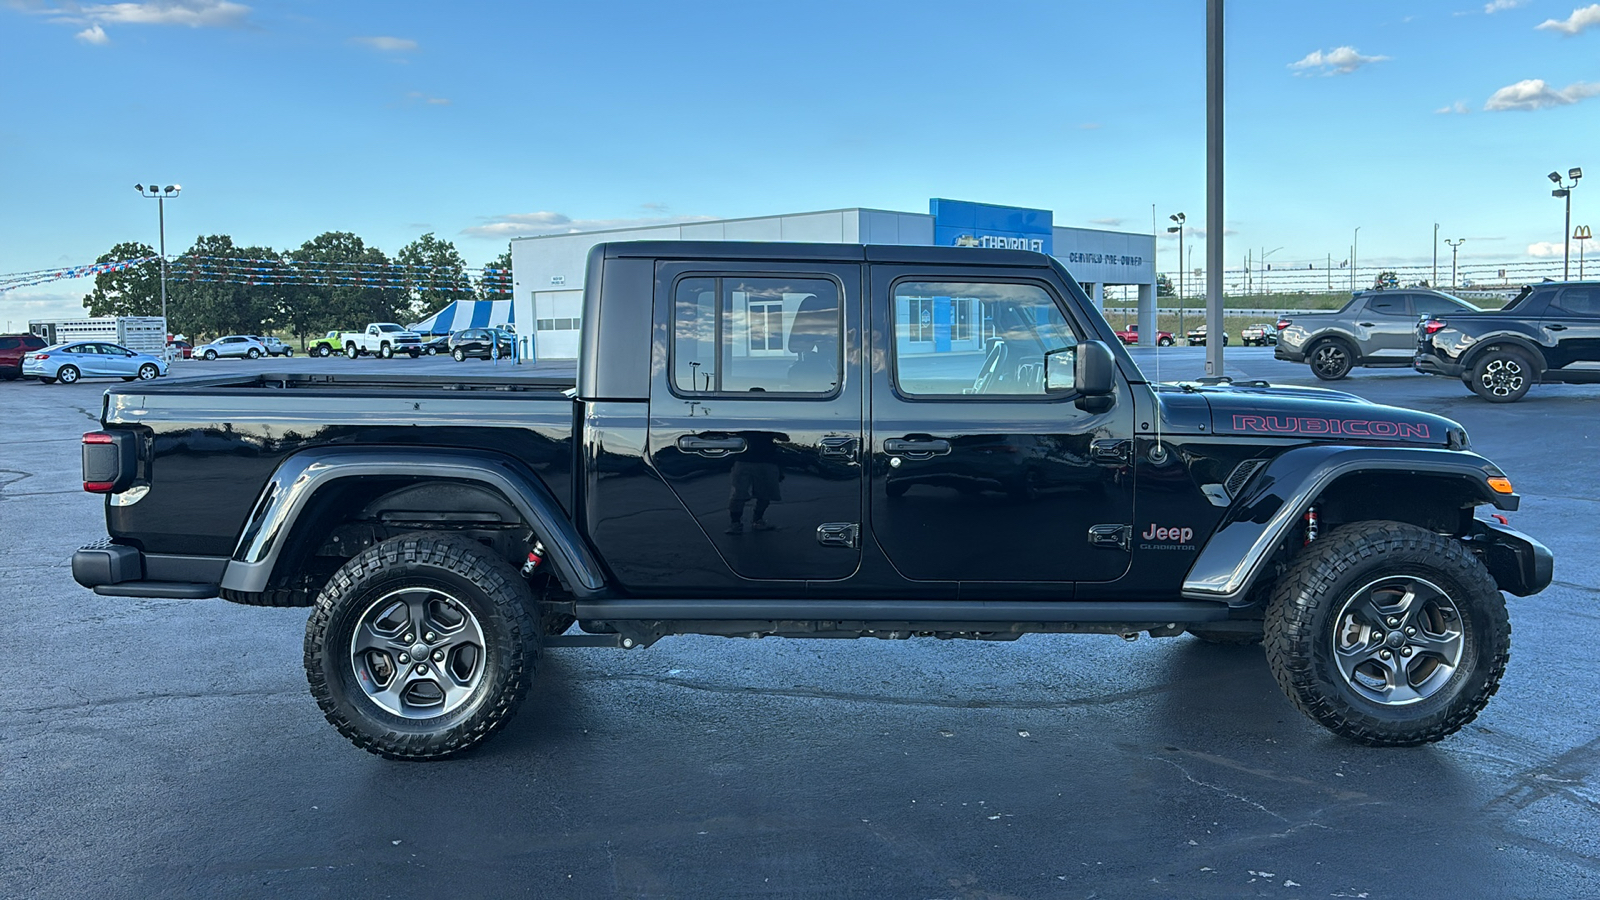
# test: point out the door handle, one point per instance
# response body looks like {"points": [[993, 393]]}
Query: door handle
{"points": [[1367, 324], [711, 446], [912, 448], [1556, 327]]}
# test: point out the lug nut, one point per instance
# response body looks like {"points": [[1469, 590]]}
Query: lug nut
{"points": [[1411, 632], [438, 656], [404, 658], [428, 636], [406, 639], [1385, 654], [1393, 621], [422, 669], [1405, 651]]}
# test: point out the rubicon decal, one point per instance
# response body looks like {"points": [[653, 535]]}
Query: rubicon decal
{"points": [[1351, 427]]}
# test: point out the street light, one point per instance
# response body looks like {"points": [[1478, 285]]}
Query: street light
{"points": [[1454, 246], [160, 195], [1565, 192], [1435, 282], [1355, 245], [1180, 218], [1581, 234]]}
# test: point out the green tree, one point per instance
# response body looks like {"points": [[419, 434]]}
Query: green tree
{"points": [[217, 287], [133, 291], [339, 283], [434, 274], [496, 281]]}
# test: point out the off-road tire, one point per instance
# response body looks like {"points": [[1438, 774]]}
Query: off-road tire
{"points": [[1301, 622], [1331, 359], [1516, 374], [494, 593]]}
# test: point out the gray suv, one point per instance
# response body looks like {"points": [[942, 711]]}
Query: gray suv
{"points": [[1376, 329]]}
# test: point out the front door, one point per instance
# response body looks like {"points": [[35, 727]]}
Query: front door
{"points": [[978, 475], [1387, 328], [755, 413]]}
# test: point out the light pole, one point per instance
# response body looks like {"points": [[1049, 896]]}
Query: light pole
{"points": [[1179, 218], [1581, 234], [1435, 282], [1215, 224], [1355, 247], [160, 195], [1565, 193], [1454, 246]]}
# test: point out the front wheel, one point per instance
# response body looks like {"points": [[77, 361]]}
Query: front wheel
{"points": [[385, 352], [422, 646], [148, 372], [1331, 360], [460, 355], [1502, 375], [1164, 342], [211, 356], [68, 374], [1388, 634]]}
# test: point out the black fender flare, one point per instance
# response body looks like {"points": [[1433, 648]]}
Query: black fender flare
{"points": [[1276, 498], [299, 477], [1521, 342]]}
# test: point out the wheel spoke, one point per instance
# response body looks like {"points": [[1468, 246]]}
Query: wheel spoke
{"points": [[1400, 689], [1446, 646], [394, 626]]}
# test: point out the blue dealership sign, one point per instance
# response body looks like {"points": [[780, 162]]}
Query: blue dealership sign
{"points": [[961, 223]]}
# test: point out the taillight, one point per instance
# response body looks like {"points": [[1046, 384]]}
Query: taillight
{"points": [[1283, 323], [109, 461], [41, 356], [1434, 326]]}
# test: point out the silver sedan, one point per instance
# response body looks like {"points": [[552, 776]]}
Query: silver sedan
{"points": [[71, 361]]}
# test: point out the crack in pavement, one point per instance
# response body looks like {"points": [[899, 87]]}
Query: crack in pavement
{"points": [[1563, 774]]}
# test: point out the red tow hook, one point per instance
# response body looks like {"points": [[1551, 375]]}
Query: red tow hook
{"points": [[1501, 519]]}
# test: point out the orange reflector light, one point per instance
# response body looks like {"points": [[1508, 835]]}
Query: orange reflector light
{"points": [[1501, 485]]}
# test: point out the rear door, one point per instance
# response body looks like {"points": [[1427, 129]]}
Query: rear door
{"points": [[978, 475], [1571, 325], [756, 412]]}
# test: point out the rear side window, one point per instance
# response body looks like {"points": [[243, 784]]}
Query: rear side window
{"points": [[1393, 305], [741, 335], [967, 339], [9, 343], [1578, 301], [1425, 305]]}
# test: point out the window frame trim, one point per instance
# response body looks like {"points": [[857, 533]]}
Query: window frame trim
{"points": [[894, 344], [717, 276]]}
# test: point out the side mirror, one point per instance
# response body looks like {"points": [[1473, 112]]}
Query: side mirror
{"points": [[1087, 370]]}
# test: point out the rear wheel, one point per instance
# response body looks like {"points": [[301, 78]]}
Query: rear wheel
{"points": [[1502, 375], [253, 353], [44, 380], [422, 646], [414, 352], [1164, 342], [148, 371], [351, 351], [68, 374], [288, 351], [1388, 634], [1331, 360]]}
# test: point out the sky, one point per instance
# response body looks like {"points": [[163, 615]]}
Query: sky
{"points": [[484, 121]]}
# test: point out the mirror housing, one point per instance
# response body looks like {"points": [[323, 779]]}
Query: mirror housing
{"points": [[1087, 370]]}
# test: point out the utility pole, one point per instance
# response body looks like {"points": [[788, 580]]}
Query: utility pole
{"points": [[1355, 247], [1454, 246], [1435, 282]]}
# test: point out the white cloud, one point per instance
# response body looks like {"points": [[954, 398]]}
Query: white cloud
{"points": [[1545, 249], [1109, 223], [1534, 93], [94, 34], [1338, 61], [92, 18], [420, 97], [386, 44], [1497, 5], [536, 223], [1458, 108], [1580, 20]]}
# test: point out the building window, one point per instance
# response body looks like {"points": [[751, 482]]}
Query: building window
{"points": [[739, 335]]}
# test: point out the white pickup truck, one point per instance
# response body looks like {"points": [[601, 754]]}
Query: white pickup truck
{"points": [[381, 339]]}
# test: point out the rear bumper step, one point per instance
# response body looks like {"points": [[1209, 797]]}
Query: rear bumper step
{"points": [[117, 570]]}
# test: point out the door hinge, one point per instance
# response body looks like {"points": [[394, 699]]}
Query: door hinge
{"points": [[839, 534], [1117, 450], [839, 447], [1119, 536]]}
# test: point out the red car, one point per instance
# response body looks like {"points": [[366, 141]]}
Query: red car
{"points": [[1130, 335], [184, 348], [12, 348]]}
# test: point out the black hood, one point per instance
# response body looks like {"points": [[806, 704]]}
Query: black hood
{"points": [[1320, 414]]}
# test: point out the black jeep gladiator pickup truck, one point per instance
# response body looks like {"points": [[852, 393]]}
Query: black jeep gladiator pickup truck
{"points": [[1549, 333], [815, 441]]}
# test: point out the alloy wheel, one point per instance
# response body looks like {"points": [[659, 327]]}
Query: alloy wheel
{"points": [[1503, 377], [418, 653], [1398, 641], [1330, 360]]}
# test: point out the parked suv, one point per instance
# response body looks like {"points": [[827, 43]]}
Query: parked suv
{"points": [[1376, 329], [480, 343], [12, 348], [275, 346], [237, 345], [1550, 333]]}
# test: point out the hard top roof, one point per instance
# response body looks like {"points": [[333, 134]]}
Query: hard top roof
{"points": [[783, 250]]}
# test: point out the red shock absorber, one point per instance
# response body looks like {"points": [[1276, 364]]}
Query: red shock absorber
{"points": [[535, 557], [1311, 521]]}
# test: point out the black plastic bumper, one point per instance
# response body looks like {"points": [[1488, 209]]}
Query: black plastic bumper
{"points": [[117, 570], [1519, 564], [1430, 364]]}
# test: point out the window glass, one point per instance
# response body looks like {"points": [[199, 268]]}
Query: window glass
{"points": [[1391, 305], [740, 335], [1578, 301], [9, 343], [1428, 305], [1009, 329]]}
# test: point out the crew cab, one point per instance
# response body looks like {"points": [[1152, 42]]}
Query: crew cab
{"points": [[1549, 333], [815, 440], [383, 340], [1130, 336], [1376, 329]]}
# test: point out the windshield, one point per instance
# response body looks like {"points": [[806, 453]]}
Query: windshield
{"points": [[389, 326]]}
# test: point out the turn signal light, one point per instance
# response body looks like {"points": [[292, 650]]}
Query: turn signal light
{"points": [[1434, 326], [1500, 485]]}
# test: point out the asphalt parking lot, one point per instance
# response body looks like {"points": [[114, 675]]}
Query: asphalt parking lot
{"points": [[170, 748]]}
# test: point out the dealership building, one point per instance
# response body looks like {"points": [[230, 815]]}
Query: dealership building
{"points": [[548, 271]]}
